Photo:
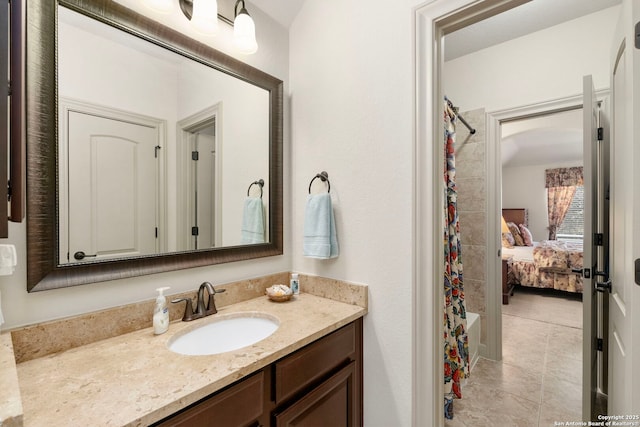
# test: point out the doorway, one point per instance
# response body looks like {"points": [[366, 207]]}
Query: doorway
{"points": [[202, 142], [540, 341], [533, 148], [439, 19], [495, 122], [199, 167]]}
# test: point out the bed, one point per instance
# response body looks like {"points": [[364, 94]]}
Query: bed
{"points": [[549, 264]]}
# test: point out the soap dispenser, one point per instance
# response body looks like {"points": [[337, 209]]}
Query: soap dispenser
{"points": [[161, 313]]}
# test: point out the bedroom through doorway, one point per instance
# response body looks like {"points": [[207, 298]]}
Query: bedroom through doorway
{"points": [[542, 313]]}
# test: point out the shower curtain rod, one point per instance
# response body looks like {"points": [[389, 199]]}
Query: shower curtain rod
{"points": [[464, 122]]}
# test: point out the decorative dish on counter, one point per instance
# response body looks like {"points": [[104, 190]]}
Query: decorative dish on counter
{"points": [[279, 293]]}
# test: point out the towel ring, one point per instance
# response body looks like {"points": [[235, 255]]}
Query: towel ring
{"points": [[260, 183], [324, 177]]}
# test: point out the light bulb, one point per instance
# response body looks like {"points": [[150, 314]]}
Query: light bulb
{"points": [[205, 17], [244, 33]]}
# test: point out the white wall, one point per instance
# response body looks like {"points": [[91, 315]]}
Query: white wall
{"points": [[21, 308], [351, 91], [542, 66], [524, 187]]}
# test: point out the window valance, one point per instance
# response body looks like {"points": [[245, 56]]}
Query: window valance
{"points": [[564, 177]]}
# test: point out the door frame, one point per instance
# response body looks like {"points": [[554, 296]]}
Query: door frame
{"points": [[432, 20], [67, 105]]}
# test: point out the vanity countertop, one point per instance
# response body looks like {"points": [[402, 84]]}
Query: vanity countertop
{"points": [[134, 380], [10, 401]]}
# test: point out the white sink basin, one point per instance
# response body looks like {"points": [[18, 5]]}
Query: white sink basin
{"points": [[224, 333]]}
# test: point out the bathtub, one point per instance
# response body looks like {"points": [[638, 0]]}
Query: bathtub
{"points": [[473, 335]]}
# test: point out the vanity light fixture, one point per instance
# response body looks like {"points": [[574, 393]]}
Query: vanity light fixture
{"points": [[244, 30], [203, 15], [202, 12]]}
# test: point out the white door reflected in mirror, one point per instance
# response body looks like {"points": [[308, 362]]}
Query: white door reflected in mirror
{"points": [[106, 193]]}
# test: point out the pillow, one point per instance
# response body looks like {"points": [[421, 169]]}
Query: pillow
{"points": [[526, 235], [516, 233], [507, 240]]}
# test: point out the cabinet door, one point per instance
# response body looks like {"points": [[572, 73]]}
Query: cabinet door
{"points": [[240, 405], [333, 403], [308, 366]]}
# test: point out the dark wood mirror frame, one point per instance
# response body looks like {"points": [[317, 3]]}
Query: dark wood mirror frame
{"points": [[11, 115], [43, 270]]}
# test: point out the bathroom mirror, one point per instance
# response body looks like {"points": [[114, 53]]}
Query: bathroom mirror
{"points": [[229, 111]]}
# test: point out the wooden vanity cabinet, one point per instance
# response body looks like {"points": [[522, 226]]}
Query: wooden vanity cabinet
{"points": [[318, 385]]}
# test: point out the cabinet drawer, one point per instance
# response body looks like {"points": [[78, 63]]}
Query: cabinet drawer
{"points": [[240, 405], [311, 363]]}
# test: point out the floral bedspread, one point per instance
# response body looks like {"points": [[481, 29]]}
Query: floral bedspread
{"points": [[553, 262]]}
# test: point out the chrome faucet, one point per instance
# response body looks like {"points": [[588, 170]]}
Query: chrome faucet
{"points": [[202, 310]]}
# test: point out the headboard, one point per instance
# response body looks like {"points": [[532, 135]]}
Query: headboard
{"points": [[517, 216]]}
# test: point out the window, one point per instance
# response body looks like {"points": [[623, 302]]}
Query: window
{"points": [[572, 227]]}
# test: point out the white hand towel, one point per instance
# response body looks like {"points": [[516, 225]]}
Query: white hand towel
{"points": [[252, 221], [320, 239]]}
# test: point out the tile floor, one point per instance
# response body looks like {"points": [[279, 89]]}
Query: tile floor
{"points": [[539, 380]]}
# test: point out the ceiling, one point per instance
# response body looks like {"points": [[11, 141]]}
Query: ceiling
{"points": [[533, 16], [542, 140], [528, 18], [282, 11]]}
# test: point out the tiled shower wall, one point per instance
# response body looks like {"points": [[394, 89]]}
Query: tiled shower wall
{"points": [[471, 174]]}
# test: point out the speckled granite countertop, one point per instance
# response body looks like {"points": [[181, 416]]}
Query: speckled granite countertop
{"points": [[134, 380]]}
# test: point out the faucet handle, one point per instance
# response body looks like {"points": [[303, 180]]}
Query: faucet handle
{"points": [[188, 309]]}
